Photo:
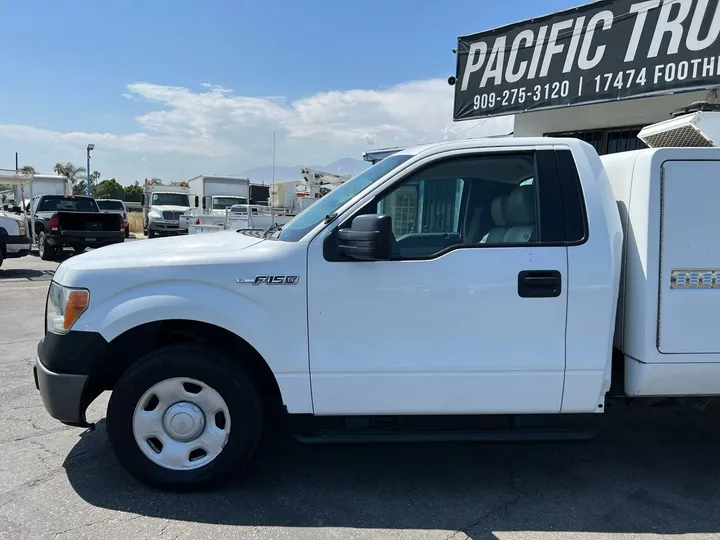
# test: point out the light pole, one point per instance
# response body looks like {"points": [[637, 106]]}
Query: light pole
{"points": [[89, 147]]}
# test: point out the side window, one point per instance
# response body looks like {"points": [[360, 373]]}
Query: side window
{"points": [[425, 206], [482, 200]]}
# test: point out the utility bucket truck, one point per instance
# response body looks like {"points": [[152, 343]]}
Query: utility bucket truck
{"points": [[483, 289], [15, 227], [162, 208]]}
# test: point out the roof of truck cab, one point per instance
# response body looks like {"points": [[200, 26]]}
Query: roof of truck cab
{"points": [[490, 142]]}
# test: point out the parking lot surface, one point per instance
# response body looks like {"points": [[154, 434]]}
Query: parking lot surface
{"points": [[647, 474]]}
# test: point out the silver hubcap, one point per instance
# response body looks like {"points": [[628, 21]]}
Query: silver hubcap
{"points": [[181, 423], [184, 421]]}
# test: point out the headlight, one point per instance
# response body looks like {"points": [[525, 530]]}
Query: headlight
{"points": [[155, 217], [64, 307], [22, 230]]}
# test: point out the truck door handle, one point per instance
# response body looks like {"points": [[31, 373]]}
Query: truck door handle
{"points": [[539, 284]]}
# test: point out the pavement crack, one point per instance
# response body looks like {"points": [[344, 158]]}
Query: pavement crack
{"points": [[98, 522], [500, 511]]}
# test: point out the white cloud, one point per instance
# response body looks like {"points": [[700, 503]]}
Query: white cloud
{"points": [[214, 123]]}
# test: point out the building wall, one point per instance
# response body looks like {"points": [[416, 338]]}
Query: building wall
{"points": [[616, 114]]}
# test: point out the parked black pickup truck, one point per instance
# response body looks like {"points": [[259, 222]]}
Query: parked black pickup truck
{"points": [[75, 221]]}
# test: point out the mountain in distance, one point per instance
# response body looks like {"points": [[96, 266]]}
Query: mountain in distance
{"points": [[285, 173]]}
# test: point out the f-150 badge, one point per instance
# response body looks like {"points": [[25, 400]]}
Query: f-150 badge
{"points": [[270, 280]]}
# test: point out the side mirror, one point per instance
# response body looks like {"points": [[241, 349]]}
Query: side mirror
{"points": [[197, 201], [369, 238], [204, 203], [17, 210], [142, 199]]}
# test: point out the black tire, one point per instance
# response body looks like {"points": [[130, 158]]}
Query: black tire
{"points": [[127, 232], [151, 233], [214, 369], [46, 251]]}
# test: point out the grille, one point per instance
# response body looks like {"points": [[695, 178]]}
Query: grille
{"points": [[172, 216]]}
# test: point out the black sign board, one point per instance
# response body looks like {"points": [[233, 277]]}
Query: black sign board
{"points": [[602, 51]]}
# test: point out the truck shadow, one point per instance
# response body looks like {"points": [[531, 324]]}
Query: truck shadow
{"points": [[26, 273], [653, 471]]}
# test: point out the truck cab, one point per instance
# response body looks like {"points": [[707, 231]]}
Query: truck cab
{"points": [[162, 208], [476, 277]]}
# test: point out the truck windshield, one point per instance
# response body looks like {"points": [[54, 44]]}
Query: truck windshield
{"points": [[170, 199], [309, 218], [221, 203], [67, 204], [109, 205]]}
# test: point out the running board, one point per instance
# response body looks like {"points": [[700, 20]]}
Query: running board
{"points": [[344, 436]]}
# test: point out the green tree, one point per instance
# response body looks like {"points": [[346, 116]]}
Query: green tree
{"points": [[133, 193], [108, 189], [155, 182], [75, 174], [94, 177], [81, 188]]}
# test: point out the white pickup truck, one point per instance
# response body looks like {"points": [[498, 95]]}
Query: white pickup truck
{"points": [[14, 238], [481, 279]]}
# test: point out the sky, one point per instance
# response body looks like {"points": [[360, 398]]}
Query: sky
{"points": [[173, 89]]}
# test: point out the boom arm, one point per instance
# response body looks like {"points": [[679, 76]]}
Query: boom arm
{"points": [[311, 177]]}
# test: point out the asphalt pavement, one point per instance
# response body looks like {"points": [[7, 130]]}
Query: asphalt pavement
{"points": [[649, 473]]}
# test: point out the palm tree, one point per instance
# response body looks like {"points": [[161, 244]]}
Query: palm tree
{"points": [[75, 174], [28, 169]]}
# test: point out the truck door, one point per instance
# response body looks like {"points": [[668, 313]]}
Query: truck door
{"points": [[469, 315]]}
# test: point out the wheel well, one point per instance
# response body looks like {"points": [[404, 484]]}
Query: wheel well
{"points": [[129, 347]]}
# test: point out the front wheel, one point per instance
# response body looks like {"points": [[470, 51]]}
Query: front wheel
{"points": [[184, 417], [151, 233]]}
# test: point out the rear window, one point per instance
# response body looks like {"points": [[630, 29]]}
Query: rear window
{"points": [[67, 204], [109, 205]]}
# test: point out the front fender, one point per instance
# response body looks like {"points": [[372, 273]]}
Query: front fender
{"points": [[279, 335]]}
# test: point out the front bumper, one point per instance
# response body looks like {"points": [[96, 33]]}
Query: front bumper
{"points": [[69, 372], [62, 394], [167, 227], [15, 241]]}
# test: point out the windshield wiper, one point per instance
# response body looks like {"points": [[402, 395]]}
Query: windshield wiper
{"points": [[271, 229]]}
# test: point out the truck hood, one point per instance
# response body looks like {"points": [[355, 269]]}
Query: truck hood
{"points": [[14, 217], [172, 251]]}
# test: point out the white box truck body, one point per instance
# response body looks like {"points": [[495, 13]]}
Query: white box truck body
{"points": [[215, 194], [43, 184]]}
